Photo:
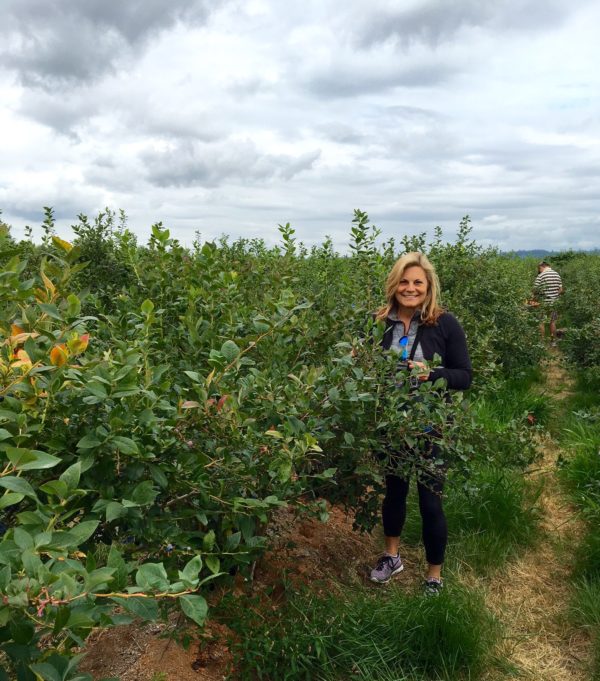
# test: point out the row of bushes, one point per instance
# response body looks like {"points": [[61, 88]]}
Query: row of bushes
{"points": [[161, 401]]}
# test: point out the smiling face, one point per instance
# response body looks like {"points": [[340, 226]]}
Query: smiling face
{"points": [[412, 289]]}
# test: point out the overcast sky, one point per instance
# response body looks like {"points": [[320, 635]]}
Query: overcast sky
{"points": [[231, 116]]}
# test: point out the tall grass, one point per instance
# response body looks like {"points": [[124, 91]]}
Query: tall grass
{"points": [[580, 475], [369, 635], [487, 525]]}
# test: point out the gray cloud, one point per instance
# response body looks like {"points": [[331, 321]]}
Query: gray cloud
{"points": [[188, 164], [437, 21], [53, 43], [62, 113], [351, 79]]}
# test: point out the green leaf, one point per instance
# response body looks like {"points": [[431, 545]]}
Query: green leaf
{"points": [[115, 560], [18, 485], [23, 539], [62, 617], [88, 441], [9, 551], [152, 576], [73, 305], [124, 444], [22, 631], [213, 564], [194, 375], [4, 434], [42, 539], [233, 541], [114, 510], [191, 571], [30, 459], [83, 531], [208, 541], [72, 476], [5, 577], [46, 672], [31, 562], [51, 310], [81, 618], [144, 608], [97, 389], [229, 350], [259, 326], [56, 488], [10, 499], [195, 607], [97, 578], [145, 493], [147, 307]]}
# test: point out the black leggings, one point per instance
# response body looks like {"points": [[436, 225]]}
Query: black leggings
{"points": [[435, 528]]}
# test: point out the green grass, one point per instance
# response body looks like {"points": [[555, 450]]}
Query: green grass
{"points": [[585, 612], [487, 524], [379, 634], [514, 400], [578, 430]]}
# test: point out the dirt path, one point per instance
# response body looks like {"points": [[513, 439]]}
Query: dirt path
{"points": [[531, 596]]}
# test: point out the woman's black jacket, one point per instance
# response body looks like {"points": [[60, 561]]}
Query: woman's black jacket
{"points": [[447, 339]]}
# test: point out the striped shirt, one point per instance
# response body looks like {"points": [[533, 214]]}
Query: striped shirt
{"points": [[548, 285]]}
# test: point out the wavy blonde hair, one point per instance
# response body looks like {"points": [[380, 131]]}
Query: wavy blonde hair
{"points": [[432, 308]]}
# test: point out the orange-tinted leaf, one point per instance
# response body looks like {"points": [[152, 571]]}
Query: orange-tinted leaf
{"points": [[15, 330], [20, 338], [190, 404], [41, 295], [48, 284], [58, 355], [23, 359], [79, 343]]}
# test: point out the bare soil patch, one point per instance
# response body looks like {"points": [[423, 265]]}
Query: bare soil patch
{"points": [[327, 556]]}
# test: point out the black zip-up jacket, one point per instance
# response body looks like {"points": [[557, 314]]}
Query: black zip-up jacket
{"points": [[447, 339]]}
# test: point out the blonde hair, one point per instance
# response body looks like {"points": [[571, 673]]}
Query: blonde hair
{"points": [[432, 308]]}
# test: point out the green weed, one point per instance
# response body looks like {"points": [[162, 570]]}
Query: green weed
{"points": [[488, 524], [383, 635]]}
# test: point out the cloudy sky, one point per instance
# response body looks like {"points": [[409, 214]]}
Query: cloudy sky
{"points": [[231, 116]]}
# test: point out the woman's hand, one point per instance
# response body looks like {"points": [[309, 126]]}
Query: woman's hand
{"points": [[423, 369]]}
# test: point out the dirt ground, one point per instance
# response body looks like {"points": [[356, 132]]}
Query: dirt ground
{"points": [[530, 595], [330, 554]]}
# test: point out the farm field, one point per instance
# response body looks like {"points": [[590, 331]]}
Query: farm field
{"points": [[189, 485]]}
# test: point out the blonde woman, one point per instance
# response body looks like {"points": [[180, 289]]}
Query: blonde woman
{"points": [[417, 328]]}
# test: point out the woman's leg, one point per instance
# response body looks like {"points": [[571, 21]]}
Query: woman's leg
{"points": [[393, 511], [394, 514], [435, 528]]}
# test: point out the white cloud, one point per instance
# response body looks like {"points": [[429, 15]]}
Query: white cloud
{"points": [[233, 116]]}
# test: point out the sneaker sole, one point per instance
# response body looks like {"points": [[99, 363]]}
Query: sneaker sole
{"points": [[385, 581]]}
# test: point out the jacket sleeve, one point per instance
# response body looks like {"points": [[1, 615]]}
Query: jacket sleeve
{"points": [[456, 369]]}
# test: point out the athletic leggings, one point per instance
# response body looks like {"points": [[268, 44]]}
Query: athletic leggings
{"points": [[435, 528]]}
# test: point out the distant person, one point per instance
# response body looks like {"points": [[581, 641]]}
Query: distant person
{"points": [[547, 287], [417, 328]]}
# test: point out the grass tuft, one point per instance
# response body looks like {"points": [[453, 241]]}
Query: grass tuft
{"points": [[490, 523], [368, 636]]}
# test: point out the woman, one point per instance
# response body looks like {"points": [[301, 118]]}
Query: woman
{"points": [[418, 328]]}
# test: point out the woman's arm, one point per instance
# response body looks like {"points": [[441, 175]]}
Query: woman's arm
{"points": [[456, 370]]}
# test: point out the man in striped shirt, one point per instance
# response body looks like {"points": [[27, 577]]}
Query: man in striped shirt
{"points": [[547, 287]]}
